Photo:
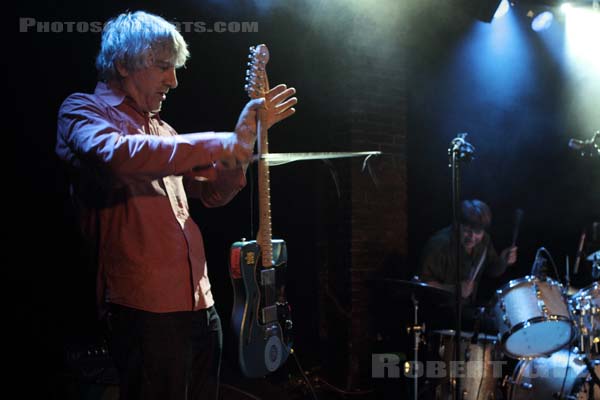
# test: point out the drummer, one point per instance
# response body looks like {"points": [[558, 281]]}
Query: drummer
{"points": [[479, 257]]}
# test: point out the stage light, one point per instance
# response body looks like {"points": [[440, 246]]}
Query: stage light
{"points": [[565, 7], [484, 10], [502, 9], [542, 21], [582, 31]]}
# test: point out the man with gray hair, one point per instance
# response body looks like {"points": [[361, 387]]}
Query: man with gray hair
{"points": [[131, 175]]}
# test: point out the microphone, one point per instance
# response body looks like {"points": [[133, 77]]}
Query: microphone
{"points": [[579, 253], [577, 144], [587, 147], [461, 148]]}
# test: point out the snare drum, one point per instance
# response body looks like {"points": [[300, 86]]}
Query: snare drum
{"points": [[480, 375], [561, 376], [532, 317]]}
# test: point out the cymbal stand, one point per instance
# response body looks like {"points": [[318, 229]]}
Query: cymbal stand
{"points": [[416, 331], [584, 337]]}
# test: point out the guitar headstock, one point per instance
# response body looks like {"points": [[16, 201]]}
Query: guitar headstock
{"points": [[257, 84]]}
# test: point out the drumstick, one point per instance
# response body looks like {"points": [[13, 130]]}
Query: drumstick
{"points": [[478, 268], [518, 219]]}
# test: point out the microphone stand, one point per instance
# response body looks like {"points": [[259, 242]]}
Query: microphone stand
{"points": [[460, 151]]}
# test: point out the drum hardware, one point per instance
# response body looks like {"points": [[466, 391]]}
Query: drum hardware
{"points": [[592, 371], [508, 380], [585, 308], [420, 294], [416, 330]]}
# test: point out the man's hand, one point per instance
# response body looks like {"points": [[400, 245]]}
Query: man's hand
{"points": [[277, 105], [509, 255], [239, 150]]}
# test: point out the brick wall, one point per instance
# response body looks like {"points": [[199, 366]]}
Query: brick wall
{"points": [[369, 236]]}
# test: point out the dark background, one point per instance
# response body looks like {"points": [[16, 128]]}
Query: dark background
{"points": [[516, 103]]}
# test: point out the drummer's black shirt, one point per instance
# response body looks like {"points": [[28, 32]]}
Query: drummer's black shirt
{"points": [[439, 263]]}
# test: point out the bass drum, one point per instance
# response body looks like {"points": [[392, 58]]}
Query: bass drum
{"points": [[563, 375], [481, 356]]}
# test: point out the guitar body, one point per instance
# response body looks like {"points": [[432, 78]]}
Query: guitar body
{"points": [[261, 315]]}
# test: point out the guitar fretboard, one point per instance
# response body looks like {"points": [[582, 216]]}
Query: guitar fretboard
{"points": [[258, 86], [264, 196]]}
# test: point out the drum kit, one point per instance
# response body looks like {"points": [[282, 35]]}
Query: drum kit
{"points": [[552, 336]]}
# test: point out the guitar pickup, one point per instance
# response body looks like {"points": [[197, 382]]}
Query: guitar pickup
{"points": [[267, 276], [269, 314]]}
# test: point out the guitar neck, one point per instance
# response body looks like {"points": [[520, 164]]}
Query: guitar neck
{"points": [[258, 86], [264, 238]]}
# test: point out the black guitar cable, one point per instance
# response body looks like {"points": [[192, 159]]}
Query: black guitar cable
{"points": [[236, 389], [329, 385], [310, 386]]}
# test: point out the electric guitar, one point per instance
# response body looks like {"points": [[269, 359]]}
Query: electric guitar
{"points": [[261, 315]]}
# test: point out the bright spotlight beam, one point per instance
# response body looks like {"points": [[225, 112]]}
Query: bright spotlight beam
{"points": [[502, 9], [542, 21]]}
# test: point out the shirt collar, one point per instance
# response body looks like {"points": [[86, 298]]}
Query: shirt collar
{"points": [[114, 97]]}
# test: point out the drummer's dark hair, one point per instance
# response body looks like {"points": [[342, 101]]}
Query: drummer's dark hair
{"points": [[476, 214]]}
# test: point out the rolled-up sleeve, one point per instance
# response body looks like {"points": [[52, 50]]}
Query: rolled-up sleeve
{"points": [[87, 134], [219, 188]]}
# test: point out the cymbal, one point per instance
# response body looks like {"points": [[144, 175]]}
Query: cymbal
{"points": [[421, 291], [594, 256]]}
